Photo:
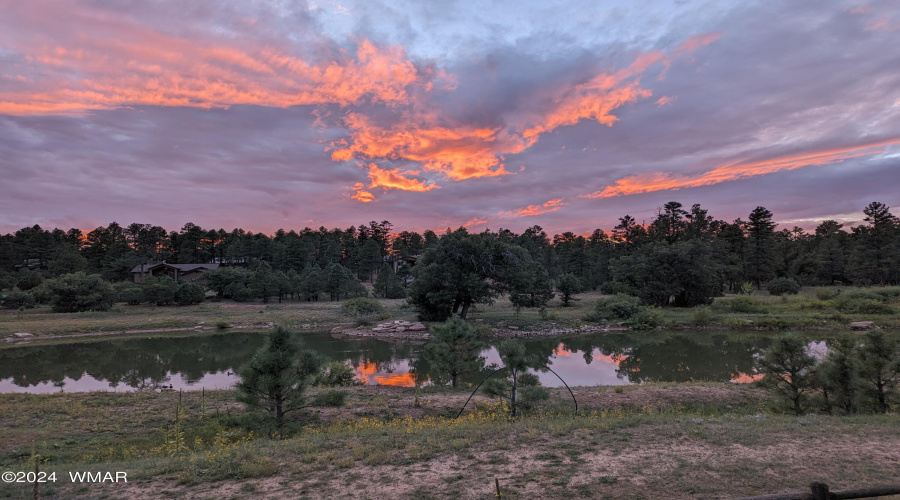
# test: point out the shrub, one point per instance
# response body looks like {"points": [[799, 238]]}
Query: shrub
{"points": [[616, 307], [701, 316], [827, 293], [189, 293], [79, 292], [645, 319], [783, 286], [130, 293], [18, 299], [362, 309], [159, 290], [848, 303], [337, 374]]}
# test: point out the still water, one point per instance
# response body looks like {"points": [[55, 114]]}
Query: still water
{"points": [[211, 361]]}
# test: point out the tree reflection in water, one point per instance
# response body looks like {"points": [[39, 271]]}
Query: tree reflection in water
{"points": [[154, 363]]}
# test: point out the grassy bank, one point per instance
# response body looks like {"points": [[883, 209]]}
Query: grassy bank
{"points": [[811, 309], [687, 440]]}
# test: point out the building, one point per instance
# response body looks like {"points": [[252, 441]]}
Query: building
{"points": [[181, 273]]}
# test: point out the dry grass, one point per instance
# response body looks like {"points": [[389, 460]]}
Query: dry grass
{"points": [[688, 441]]}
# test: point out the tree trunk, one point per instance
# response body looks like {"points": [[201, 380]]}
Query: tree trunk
{"points": [[279, 413], [465, 310]]}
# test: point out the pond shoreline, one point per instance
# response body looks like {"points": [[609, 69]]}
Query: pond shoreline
{"points": [[342, 329]]}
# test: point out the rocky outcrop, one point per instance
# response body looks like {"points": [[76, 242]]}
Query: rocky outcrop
{"points": [[398, 329], [862, 325]]}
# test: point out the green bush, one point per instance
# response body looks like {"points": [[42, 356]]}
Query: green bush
{"points": [[616, 307], [17, 298], [701, 316], [329, 398], [362, 309], [189, 293], [645, 319], [783, 286], [79, 292], [827, 293], [130, 293], [337, 374]]}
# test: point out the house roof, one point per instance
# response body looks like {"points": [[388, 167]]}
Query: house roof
{"points": [[181, 267]]}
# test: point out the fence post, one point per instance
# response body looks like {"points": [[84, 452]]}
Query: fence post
{"points": [[820, 491]]}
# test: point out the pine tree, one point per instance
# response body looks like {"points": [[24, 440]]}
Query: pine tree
{"points": [[278, 374], [454, 348], [760, 263]]}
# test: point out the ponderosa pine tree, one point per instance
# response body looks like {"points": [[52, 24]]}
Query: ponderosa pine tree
{"points": [[454, 349], [278, 375], [760, 263]]}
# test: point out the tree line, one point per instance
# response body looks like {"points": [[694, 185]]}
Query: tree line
{"points": [[682, 257]]}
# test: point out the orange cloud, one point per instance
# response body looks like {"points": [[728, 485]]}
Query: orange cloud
{"points": [[360, 194], [600, 96], [664, 101], [128, 64], [462, 151], [546, 207], [659, 181], [394, 179], [474, 222], [458, 151]]}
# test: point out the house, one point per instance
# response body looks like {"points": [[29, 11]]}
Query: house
{"points": [[181, 273]]}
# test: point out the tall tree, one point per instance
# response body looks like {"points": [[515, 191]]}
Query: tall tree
{"points": [[760, 263], [878, 246]]}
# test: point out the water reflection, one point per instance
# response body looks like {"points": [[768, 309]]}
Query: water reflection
{"points": [[211, 361]]}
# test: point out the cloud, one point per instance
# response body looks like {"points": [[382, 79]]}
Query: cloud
{"points": [[115, 62], [530, 210], [458, 151], [395, 179], [659, 181]]}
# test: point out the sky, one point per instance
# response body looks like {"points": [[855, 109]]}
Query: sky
{"points": [[273, 114]]}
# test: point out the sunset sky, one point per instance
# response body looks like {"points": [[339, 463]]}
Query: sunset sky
{"points": [[568, 115]]}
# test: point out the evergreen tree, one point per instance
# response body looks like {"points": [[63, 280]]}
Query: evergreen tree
{"points": [[790, 371], [519, 387], [879, 368], [877, 256], [454, 348], [278, 374], [313, 283], [568, 285], [388, 285], [760, 263]]}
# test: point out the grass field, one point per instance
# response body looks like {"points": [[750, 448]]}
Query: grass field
{"points": [[650, 441]]}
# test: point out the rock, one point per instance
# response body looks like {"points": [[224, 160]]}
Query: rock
{"points": [[417, 327], [22, 335], [511, 327], [337, 329], [862, 325]]}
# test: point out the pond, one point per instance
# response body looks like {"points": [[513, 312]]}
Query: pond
{"points": [[211, 361]]}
